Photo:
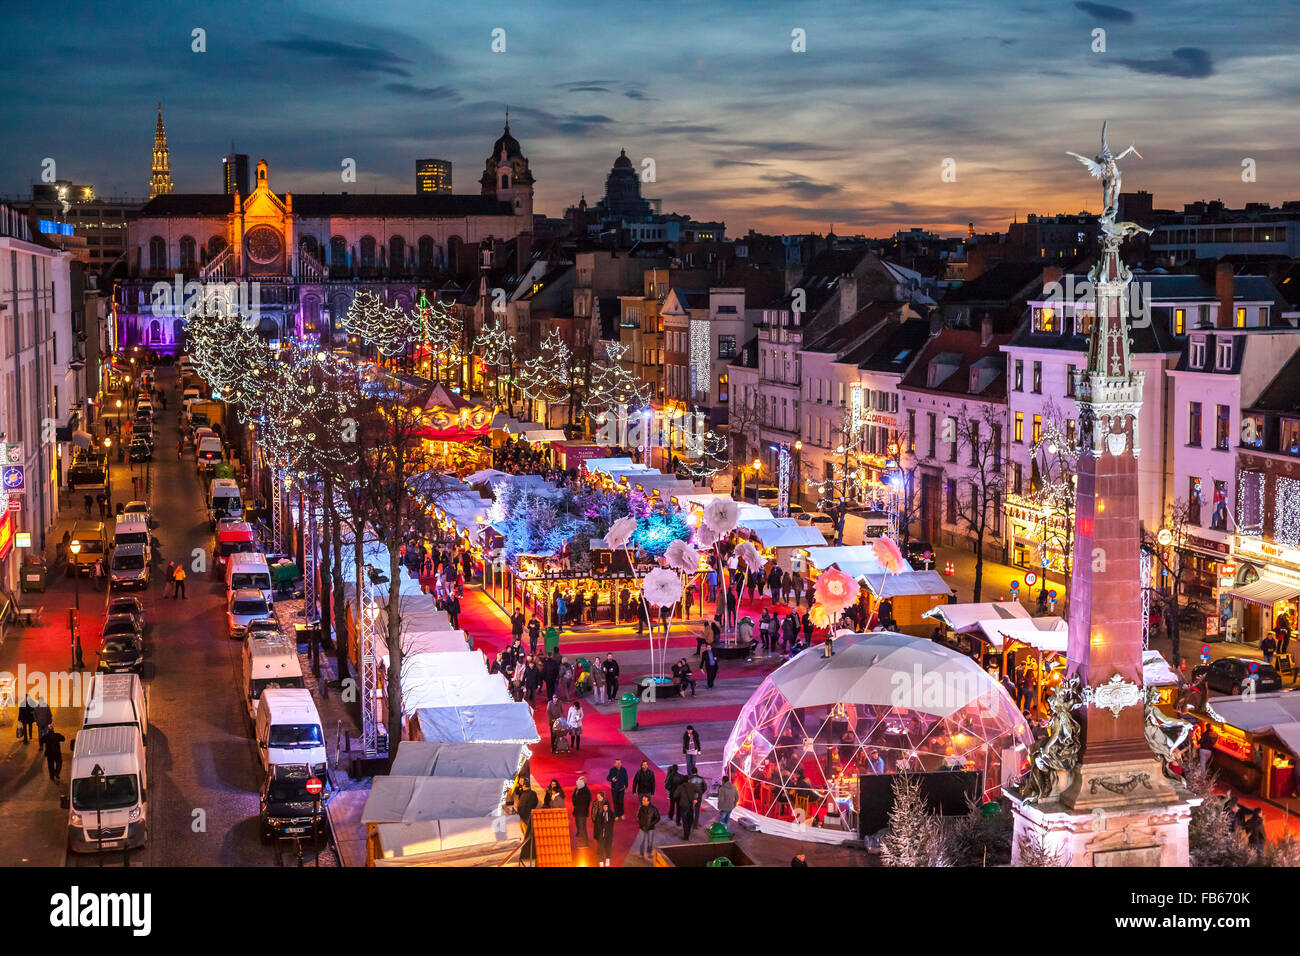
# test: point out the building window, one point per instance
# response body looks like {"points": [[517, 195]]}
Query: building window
{"points": [[1018, 434], [1045, 320], [930, 453], [1219, 518], [1082, 321], [1252, 431], [1223, 354], [1241, 318], [1196, 353], [726, 346], [911, 429], [950, 425], [997, 445], [950, 491], [1038, 428], [157, 253], [1038, 378], [1071, 430], [189, 252], [1194, 501], [1017, 478], [1222, 426], [1020, 375], [1289, 437], [723, 379], [1069, 381], [1194, 424], [1180, 321], [974, 436]]}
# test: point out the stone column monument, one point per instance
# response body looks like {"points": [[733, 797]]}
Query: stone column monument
{"points": [[1098, 788]]}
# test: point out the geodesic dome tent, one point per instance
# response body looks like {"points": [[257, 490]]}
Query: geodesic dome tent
{"points": [[808, 732]]}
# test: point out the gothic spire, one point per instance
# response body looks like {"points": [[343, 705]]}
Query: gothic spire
{"points": [[160, 179]]}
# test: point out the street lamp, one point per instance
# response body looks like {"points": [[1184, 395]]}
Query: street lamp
{"points": [[75, 548]]}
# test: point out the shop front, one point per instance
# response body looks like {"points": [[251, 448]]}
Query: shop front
{"points": [[1266, 590], [1036, 537], [1257, 740]]}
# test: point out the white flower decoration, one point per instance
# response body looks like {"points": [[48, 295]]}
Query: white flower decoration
{"points": [[721, 515], [682, 557], [620, 532], [748, 554], [706, 537], [661, 588]]}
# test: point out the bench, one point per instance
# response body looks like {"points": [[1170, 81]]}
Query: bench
{"points": [[28, 615]]}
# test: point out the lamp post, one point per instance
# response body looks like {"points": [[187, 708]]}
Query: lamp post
{"points": [[108, 473], [798, 471], [757, 466], [75, 548]]}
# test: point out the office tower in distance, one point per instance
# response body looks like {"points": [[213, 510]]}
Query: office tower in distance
{"points": [[432, 176]]}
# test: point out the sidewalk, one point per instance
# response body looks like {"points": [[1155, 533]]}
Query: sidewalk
{"points": [[997, 580]]}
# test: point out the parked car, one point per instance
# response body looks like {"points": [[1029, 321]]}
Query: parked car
{"points": [[122, 625], [140, 508], [242, 607], [918, 552], [819, 520], [121, 655], [1225, 675], [262, 625], [141, 450], [130, 606], [288, 810]]}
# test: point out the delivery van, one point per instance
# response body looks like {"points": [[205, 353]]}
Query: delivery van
{"points": [[270, 662], [107, 810], [233, 537], [129, 567], [248, 569], [209, 453], [864, 527], [117, 700], [224, 501], [131, 529], [89, 535], [288, 730]]}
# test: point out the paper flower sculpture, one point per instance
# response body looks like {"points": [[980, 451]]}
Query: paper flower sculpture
{"points": [[888, 554], [721, 515], [706, 537], [661, 588], [835, 590], [819, 616], [749, 555], [682, 557], [620, 532]]}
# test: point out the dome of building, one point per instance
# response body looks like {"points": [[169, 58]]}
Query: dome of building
{"points": [[622, 162], [809, 731], [508, 143]]}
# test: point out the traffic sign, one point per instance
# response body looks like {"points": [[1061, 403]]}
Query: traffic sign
{"points": [[1031, 579], [1052, 594], [1015, 585], [314, 786]]}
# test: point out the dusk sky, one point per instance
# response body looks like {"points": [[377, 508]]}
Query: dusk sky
{"points": [[852, 132]]}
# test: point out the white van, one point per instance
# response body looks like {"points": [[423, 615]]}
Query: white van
{"points": [[209, 453], [270, 662], [117, 700], [224, 501], [246, 569], [288, 730], [107, 811], [863, 527], [131, 529]]}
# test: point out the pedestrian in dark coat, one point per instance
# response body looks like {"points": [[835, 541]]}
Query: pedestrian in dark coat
{"points": [[643, 784], [610, 668], [554, 796], [672, 781], [687, 796], [617, 780], [581, 809], [50, 745], [551, 673], [517, 625], [525, 803], [42, 716], [647, 818], [534, 635], [26, 717], [532, 681], [602, 829], [710, 663], [691, 747]]}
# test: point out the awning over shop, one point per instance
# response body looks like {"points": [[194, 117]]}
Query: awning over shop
{"points": [[784, 533], [1045, 633], [422, 758], [490, 723], [1273, 717], [1266, 592]]}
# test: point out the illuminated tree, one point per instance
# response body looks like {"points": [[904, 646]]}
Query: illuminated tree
{"points": [[496, 347], [612, 390], [705, 452], [387, 327], [981, 491], [1054, 465], [442, 331], [545, 378]]}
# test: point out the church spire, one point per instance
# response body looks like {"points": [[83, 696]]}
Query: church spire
{"points": [[160, 181]]}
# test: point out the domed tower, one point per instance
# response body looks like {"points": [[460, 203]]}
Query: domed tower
{"points": [[623, 191], [506, 176]]}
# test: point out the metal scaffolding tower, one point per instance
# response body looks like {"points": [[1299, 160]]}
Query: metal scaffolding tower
{"points": [[369, 671]]}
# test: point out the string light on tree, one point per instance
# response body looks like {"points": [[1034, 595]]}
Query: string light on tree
{"points": [[545, 377], [705, 452], [389, 328], [1286, 523], [613, 387]]}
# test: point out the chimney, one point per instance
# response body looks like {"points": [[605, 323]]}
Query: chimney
{"points": [[1051, 274], [1223, 289], [848, 297], [986, 330]]}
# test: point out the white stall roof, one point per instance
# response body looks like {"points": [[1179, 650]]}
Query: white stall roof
{"points": [[907, 583], [750, 512], [698, 498], [544, 435], [421, 799], [1156, 670], [405, 841], [424, 686], [490, 723], [424, 758], [604, 466], [783, 533], [855, 560], [1050, 639], [962, 617]]}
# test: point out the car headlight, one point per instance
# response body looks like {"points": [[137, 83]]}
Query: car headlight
{"points": [[74, 819], [133, 813]]}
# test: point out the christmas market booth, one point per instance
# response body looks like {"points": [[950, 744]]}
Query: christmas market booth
{"points": [[883, 703], [783, 540], [453, 425], [1257, 741], [611, 591], [910, 593]]}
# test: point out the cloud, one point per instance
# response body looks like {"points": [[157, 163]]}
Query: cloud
{"points": [[1187, 62], [636, 95], [588, 89], [362, 58], [447, 93], [800, 186], [669, 129], [1104, 11]]}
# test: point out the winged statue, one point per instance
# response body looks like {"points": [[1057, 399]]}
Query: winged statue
{"points": [[1106, 168]]}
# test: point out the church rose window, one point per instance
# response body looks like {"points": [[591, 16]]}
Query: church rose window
{"points": [[263, 244]]}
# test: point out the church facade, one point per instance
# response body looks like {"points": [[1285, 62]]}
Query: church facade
{"points": [[296, 261]]}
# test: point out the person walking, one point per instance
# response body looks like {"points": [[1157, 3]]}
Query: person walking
{"points": [[647, 818], [517, 626], [551, 673], [687, 796], [728, 797], [602, 829], [26, 717], [179, 578], [1269, 647], [609, 667], [526, 802], [168, 583], [50, 746], [89, 501], [581, 809], [709, 661], [555, 719], [643, 783], [765, 630], [42, 716], [691, 747], [574, 720], [532, 681], [534, 635], [672, 780], [453, 610], [617, 780]]}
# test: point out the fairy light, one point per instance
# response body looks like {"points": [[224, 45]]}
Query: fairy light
{"points": [[614, 387], [1286, 520], [701, 357], [1250, 502], [545, 377], [389, 328]]}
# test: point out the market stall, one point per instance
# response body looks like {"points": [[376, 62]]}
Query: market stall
{"points": [[781, 538], [488, 723], [438, 821], [1258, 740], [911, 594]]}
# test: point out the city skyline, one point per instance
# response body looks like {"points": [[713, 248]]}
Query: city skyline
{"points": [[740, 128]]}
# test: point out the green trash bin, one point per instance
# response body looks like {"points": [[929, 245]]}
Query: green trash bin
{"points": [[718, 832], [627, 711], [720, 861]]}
